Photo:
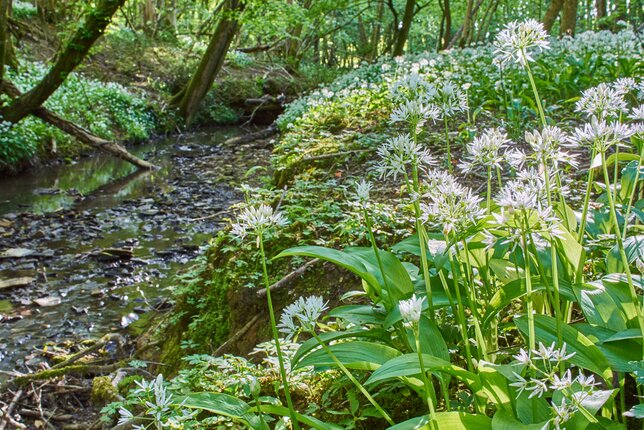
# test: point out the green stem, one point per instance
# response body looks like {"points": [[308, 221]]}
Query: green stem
{"points": [[474, 303], [631, 197], [377, 252], [280, 357], [584, 212], [429, 389], [449, 151], [352, 378], [422, 240], [528, 288], [542, 114]]}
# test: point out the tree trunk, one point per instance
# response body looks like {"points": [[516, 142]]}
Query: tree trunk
{"points": [[78, 132], [569, 17], [4, 34], [467, 22], [403, 33], [375, 31], [190, 98], [600, 6], [447, 34], [551, 14], [72, 55]]}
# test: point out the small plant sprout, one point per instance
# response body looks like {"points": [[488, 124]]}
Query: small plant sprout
{"points": [[257, 220]]}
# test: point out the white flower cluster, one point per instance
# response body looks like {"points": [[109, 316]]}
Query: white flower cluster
{"points": [[302, 315], [515, 42], [486, 150], [399, 153], [411, 310], [256, 220]]}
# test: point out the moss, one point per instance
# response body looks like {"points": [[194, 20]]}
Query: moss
{"points": [[103, 392]]}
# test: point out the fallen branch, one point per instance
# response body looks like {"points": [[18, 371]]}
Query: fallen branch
{"points": [[76, 369], [78, 132], [98, 345], [251, 137], [241, 332], [288, 278]]}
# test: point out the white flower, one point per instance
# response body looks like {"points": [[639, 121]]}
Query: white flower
{"points": [[304, 314], [637, 113], [601, 102], [450, 99], [451, 206], [547, 147], [517, 39], [362, 192], [563, 413], [486, 150], [561, 382], [600, 135], [399, 153], [414, 112], [257, 220], [523, 357], [411, 310]]}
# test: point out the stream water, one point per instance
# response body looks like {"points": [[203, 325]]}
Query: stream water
{"points": [[93, 246]]}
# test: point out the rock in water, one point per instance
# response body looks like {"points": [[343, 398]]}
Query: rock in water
{"points": [[17, 253], [49, 301], [16, 282]]}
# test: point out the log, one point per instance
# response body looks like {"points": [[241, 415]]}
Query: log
{"points": [[251, 137], [79, 132]]}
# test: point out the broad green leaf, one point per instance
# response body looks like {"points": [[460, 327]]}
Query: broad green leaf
{"points": [[220, 404], [447, 421], [408, 365], [339, 258], [505, 421], [494, 383], [396, 275], [327, 337], [634, 248], [570, 249], [516, 289], [359, 314], [628, 178], [599, 306], [587, 355], [431, 339], [354, 355], [619, 348]]}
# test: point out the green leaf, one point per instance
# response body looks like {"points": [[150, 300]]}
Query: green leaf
{"points": [[570, 249], [354, 355], [408, 365], [396, 274], [628, 179], [447, 421], [220, 404], [328, 337], [619, 348], [359, 314], [505, 421], [339, 258], [587, 355], [634, 248]]}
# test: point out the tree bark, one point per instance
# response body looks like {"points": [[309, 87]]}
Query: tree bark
{"points": [[72, 55], [78, 132], [403, 32], [569, 17], [4, 34], [189, 99], [551, 14], [375, 32], [467, 22], [600, 6], [446, 26]]}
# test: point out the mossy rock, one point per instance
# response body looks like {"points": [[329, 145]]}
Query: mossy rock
{"points": [[103, 392]]}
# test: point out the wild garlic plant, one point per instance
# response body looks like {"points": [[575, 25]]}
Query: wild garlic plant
{"points": [[254, 222]]}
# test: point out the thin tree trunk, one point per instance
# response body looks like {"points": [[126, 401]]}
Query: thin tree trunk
{"points": [[190, 98], [467, 23], [460, 34], [78, 132], [551, 14], [72, 55], [448, 25], [375, 32], [4, 35], [403, 33], [600, 6], [488, 19], [569, 17]]}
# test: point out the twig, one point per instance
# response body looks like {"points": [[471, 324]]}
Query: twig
{"points": [[98, 345], [288, 278], [236, 336], [9, 410], [216, 214]]}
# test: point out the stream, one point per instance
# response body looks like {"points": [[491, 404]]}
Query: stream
{"points": [[91, 248]]}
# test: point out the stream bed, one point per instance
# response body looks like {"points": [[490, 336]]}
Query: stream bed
{"points": [[91, 248]]}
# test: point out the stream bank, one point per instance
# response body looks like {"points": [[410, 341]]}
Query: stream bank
{"points": [[92, 248]]}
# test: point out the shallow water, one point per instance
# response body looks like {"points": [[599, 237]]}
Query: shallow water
{"points": [[68, 215]]}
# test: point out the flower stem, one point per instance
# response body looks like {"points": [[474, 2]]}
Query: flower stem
{"points": [[449, 152], [376, 251], [584, 212], [280, 357], [422, 241], [429, 389], [352, 378], [542, 114]]}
